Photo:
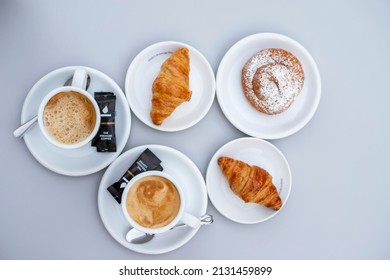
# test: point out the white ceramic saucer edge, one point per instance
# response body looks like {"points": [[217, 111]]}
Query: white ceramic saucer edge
{"points": [[25, 116], [213, 163], [116, 167], [209, 73], [316, 77]]}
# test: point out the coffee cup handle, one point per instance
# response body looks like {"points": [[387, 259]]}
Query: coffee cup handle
{"points": [[79, 79], [190, 220]]}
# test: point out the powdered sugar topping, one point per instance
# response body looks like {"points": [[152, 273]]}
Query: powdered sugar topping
{"points": [[271, 79]]}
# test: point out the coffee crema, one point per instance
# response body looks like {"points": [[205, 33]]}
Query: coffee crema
{"points": [[69, 117], [153, 201]]}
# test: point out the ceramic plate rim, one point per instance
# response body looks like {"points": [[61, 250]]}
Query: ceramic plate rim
{"points": [[153, 147], [126, 112], [133, 67], [213, 160], [259, 37]]}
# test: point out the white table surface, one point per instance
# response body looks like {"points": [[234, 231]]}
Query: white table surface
{"points": [[338, 207]]}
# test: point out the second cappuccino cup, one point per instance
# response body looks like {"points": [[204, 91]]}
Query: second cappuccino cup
{"points": [[153, 202]]}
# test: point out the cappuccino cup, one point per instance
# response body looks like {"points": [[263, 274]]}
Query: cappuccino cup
{"points": [[153, 202], [68, 116]]}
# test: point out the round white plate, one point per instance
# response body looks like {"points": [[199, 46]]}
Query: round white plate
{"points": [[85, 160], [253, 151], [144, 69], [174, 163], [237, 108]]}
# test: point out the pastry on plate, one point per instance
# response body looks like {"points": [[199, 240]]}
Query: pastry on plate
{"points": [[272, 79], [171, 87], [250, 183]]}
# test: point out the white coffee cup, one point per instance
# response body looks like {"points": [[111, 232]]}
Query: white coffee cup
{"points": [[78, 86], [181, 215]]}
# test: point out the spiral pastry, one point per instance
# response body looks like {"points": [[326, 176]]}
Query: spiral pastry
{"points": [[271, 80]]}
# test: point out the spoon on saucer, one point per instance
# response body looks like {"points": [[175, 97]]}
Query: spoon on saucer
{"points": [[138, 237], [24, 128]]}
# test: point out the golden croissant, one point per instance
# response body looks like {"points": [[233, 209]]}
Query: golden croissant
{"points": [[250, 183], [171, 87]]}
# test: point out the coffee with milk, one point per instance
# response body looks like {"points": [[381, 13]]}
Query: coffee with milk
{"points": [[69, 117], [153, 201]]}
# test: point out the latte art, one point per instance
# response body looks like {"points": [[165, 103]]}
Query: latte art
{"points": [[153, 202]]}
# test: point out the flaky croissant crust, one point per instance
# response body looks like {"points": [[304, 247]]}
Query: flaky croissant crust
{"points": [[250, 183], [171, 86]]}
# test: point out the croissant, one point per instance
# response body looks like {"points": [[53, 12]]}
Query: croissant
{"points": [[171, 87], [250, 183]]}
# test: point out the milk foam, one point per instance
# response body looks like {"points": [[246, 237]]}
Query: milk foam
{"points": [[69, 117], [153, 202]]}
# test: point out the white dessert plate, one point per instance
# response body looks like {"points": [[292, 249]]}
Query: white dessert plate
{"points": [[174, 163], [237, 108], [145, 68], [253, 151], [85, 160]]}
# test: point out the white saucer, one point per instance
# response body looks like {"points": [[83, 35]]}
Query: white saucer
{"points": [[85, 160], [145, 68], [237, 108], [174, 163], [253, 151]]}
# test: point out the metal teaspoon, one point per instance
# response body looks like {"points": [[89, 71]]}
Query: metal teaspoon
{"points": [[24, 128], [137, 237]]}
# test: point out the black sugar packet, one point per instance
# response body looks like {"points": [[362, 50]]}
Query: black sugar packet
{"points": [[105, 139], [146, 161]]}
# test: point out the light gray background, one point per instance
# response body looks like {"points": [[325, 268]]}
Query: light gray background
{"points": [[339, 205]]}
